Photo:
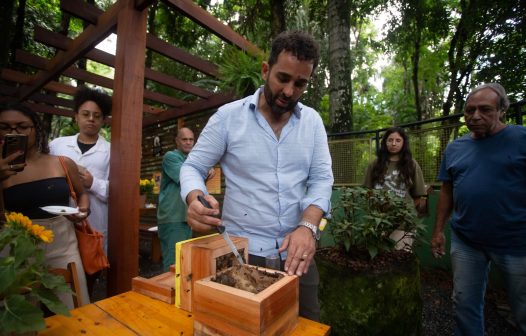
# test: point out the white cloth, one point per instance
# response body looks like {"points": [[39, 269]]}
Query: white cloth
{"points": [[63, 250], [97, 161]]}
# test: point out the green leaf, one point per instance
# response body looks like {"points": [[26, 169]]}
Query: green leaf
{"points": [[56, 282], [18, 315], [24, 249], [8, 276], [50, 300]]}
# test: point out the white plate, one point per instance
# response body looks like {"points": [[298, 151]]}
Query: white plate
{"points": [[60, 210]]}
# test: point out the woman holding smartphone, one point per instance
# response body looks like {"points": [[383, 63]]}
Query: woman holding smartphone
{"points": [[41, 183]]}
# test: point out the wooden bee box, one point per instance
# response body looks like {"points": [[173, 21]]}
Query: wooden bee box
{"points": [[199, 258], [225, 310]]}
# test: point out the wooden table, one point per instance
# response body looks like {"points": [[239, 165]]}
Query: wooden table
{"points": [[132, 313]]}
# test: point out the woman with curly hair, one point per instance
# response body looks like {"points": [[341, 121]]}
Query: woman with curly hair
{"points": [[395, 170]]}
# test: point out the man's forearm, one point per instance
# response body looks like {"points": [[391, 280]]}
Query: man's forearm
{"points": [[313, 215], [444, 207], [192, 195]]}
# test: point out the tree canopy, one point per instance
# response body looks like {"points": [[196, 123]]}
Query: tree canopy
{"points": [[418, 63]]}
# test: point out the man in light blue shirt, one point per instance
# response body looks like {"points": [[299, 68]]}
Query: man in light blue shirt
{"points": [[274, 153]]}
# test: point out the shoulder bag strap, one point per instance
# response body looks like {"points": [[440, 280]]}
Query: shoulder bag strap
{"points": [[71, 190]]}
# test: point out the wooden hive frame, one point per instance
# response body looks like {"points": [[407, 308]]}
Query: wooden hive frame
{"points": [[225, 310], [198, 259]]}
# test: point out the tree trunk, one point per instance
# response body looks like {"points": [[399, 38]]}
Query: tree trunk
{"points": [[340, 68], [416, 61], [18, 38], [277, 23], [6, 29], [153, 30]]}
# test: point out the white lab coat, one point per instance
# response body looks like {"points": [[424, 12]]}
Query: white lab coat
{"points": [[97, 161]]}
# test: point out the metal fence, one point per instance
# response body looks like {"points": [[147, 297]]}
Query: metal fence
{"points": [[352, 151]]}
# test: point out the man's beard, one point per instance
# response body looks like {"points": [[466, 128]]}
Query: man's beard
{"points": [[271, 101]]}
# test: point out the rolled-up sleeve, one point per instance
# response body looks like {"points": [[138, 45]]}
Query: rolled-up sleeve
{"points": [[320, 181], [206, 153]]}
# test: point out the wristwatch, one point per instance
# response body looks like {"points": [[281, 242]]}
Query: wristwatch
{"points": [[315, 231]]}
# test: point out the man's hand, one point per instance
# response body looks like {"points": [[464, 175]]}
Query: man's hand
{"points": [[200, 218], [301, 247], [438, 244]]}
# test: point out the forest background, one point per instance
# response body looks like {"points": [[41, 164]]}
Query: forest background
{"points": [[425, 54]]}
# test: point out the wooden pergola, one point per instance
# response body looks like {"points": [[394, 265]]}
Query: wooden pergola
{"points": [[130, 113]]}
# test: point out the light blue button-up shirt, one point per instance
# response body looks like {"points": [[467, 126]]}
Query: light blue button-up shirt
{"points": [[269, 181]]}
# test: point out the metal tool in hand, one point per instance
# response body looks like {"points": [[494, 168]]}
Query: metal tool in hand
{"points": [[222, 230]]}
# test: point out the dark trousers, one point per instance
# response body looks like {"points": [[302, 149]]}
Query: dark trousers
{"points": [[309, 282]]}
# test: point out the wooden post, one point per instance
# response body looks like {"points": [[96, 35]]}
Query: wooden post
{"points": [[123, 227]]}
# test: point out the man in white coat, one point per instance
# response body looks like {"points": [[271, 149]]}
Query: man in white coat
{"points": [[91, 153]]}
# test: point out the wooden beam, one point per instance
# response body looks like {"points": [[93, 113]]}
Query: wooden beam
{"points": [[206, 20], [181, 56], [23, 79], [90, 13], [213, 102], [155, 43], [61, 42], [50, 109], [89, 38], [73, 72], [126, 129]]}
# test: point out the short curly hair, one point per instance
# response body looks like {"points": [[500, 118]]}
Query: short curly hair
{"points": [[300, 44], [99, 97]]}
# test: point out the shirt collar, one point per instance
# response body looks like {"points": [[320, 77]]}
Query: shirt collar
{"points": [[254, 99]]}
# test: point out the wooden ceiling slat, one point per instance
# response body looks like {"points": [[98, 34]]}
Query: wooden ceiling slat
{"points": [[52, 100], [89, 12], [79, 74], [212, 24], [181, 56], [50, 109], [157, 45], [162, 98], [59, 41], [196, 106], [88, 39]]}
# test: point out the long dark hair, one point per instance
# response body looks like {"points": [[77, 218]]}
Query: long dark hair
{"points": [[40, 134], [405, 162]]}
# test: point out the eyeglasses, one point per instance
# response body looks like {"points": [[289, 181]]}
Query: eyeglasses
{"points": [[19, 128], [95, 115]]}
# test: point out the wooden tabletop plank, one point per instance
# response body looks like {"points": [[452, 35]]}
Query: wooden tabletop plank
{"points": [[132, 313], [86, 320], [308, 327], [144, 315]]}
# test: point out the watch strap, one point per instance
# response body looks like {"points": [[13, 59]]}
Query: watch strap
{"points": [[314, 229]]}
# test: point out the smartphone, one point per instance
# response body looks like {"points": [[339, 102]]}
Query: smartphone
{"points": [[12, 144]]}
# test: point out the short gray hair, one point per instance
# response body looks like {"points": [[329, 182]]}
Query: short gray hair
{"points": [[503, 103]]}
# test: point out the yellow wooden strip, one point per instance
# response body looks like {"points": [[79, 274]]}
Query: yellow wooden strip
{"points": [[178, 267], [147, 316], [86, 320]]}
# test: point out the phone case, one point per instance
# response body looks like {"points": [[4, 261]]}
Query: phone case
{"points": [[12, 144]]}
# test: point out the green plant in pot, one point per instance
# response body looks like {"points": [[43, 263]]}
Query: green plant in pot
{"points": [[370, 282]]}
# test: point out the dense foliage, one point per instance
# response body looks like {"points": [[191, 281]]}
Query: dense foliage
{"points": [[364, 218], [406, 60]]}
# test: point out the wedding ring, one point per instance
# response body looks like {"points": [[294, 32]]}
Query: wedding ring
{"points": [[11, 167]]}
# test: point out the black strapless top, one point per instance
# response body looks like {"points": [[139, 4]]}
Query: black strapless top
{"points": [[27, 198]]}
